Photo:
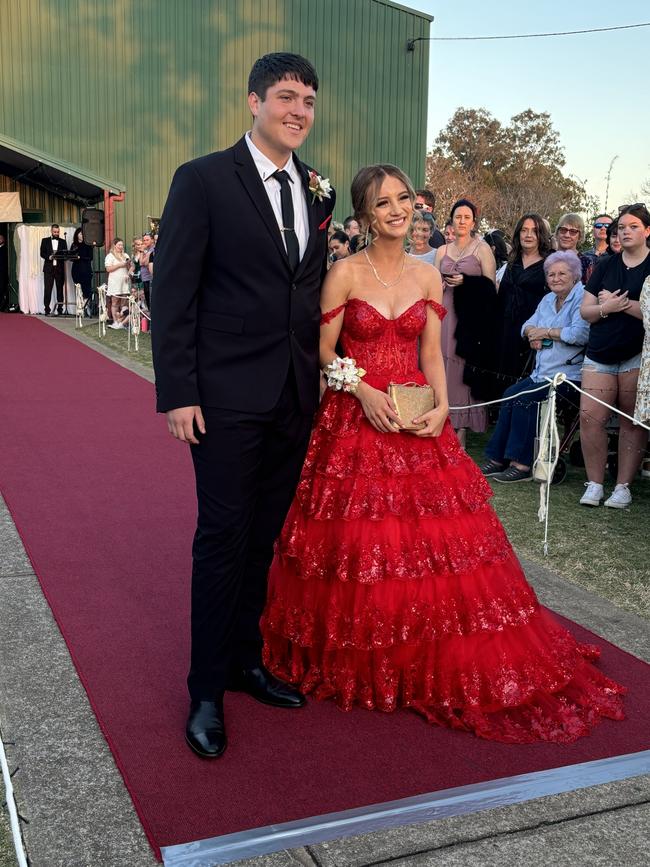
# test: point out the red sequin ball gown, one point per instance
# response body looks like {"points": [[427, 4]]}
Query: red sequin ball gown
{"points": [[394, 584]]}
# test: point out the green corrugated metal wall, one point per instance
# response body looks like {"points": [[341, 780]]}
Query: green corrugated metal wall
{"points": [[131, 88]]}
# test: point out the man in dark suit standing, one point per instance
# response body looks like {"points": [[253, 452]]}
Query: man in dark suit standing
{"points": [[235, 343], [53, 269]]}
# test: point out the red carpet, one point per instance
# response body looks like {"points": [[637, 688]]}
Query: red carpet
{"points": [[103, 499]]}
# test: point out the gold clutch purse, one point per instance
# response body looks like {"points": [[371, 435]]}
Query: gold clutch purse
{"points": [[411, 400]]}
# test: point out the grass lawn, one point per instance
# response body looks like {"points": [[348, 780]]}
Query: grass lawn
{"points": [[118, 342], [603, 550]]}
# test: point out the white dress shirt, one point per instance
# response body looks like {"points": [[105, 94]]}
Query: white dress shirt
{"points": [[266, 168], [55, 247]]}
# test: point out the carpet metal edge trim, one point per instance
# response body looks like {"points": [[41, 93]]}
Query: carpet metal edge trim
{"points": [[418, 809]]}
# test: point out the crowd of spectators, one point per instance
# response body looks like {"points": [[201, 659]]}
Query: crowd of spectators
{"points": [[524, 309], [129, 275], [520, 309]]}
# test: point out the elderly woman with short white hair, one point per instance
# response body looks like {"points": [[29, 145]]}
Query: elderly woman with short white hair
{"points": [[559, 334]]}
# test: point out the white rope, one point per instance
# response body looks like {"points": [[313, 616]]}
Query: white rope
{"points": [[539, 388], [13, 812], [549, 439], [502, 399], [613, 408]]}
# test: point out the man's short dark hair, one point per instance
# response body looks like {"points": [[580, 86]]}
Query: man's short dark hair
{"points": [[348, 220], [54, 226], [341, 237], [599, 216], [428, 197], [271, 68]]}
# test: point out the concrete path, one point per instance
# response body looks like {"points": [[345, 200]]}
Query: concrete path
{"points": [[78, 814]]}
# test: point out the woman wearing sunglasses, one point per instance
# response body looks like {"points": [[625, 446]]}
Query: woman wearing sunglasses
{"points": [[570, 233], [613, 358], [601, 224]]}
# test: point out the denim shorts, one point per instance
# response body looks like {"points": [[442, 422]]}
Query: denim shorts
{"points": [[633, 363]]}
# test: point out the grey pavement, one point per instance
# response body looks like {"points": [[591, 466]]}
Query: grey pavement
{"points": [[78, 813]]}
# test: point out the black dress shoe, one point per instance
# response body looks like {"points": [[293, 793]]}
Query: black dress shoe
{"points": [[205, 732], [265, 687]]}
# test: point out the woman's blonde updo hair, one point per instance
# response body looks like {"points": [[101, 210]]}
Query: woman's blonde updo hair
{"points": [[364, 193]]}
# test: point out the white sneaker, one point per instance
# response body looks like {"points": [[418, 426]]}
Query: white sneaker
{"points": [[620, 499], [593, 495], [116, 326]]}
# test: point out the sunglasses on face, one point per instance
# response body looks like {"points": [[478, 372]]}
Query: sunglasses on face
{"points": [[567, 230], [418, 206], [601, 225]]}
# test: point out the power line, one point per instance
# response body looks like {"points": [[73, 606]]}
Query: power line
{"points": [[410, 45]]}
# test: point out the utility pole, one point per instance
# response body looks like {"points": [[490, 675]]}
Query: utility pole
{"points": [[609, 177]]}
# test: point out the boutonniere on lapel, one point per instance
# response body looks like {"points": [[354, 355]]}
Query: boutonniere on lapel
{"points": [[319, 188]]}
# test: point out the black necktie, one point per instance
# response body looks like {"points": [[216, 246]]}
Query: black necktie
{"points": [[288, 230]]}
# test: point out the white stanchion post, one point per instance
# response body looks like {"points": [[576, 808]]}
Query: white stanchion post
{"points": [[13, 812], [134, 322], [103, 312], [546, 461], [79, 306]]}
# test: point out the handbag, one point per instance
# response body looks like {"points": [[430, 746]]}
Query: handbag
{"points": [[411, 400]]}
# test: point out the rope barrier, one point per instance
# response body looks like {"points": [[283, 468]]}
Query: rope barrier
{"points": [[549, 439], [500, 399], [13, 812], [636, 421]]}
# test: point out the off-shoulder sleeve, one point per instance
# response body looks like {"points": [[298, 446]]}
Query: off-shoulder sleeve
{"points": [[438, 309], [331, 314]]}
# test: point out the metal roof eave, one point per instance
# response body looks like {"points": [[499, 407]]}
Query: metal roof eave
{"points": [[40, 169], [403, 8]]}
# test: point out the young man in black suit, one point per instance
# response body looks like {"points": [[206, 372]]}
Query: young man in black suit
{"points": [[53, 270], [235, 342]]}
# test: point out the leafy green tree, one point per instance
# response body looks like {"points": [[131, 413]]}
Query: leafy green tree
{"points": [[506, 170]]}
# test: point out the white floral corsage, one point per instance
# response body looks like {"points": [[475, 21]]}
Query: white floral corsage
{"points": [[342, 374], [320, 188]]}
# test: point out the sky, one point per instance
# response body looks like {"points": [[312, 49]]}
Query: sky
{"points": [[594, 86]]}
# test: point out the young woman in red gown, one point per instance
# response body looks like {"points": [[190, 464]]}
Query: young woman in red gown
{"points": [[394, 584]]}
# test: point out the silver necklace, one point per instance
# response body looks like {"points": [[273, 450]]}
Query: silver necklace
{"points": [[461, 250], [390, 283]]}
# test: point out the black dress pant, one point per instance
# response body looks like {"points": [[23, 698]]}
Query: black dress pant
{"points": [[247, 467], [51, 276], [85, 280]]}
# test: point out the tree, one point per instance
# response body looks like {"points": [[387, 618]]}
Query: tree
{"points": [[506, 170], [645, 188]]}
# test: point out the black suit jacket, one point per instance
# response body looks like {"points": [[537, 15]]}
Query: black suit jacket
{"points": [[46, 252], [228, 315]]}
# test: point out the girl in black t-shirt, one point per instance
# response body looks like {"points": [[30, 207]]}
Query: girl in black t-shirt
{"points": [[613, 357]]}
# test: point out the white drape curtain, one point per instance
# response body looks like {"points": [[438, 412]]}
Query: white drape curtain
{"points": [[27, 240]]}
